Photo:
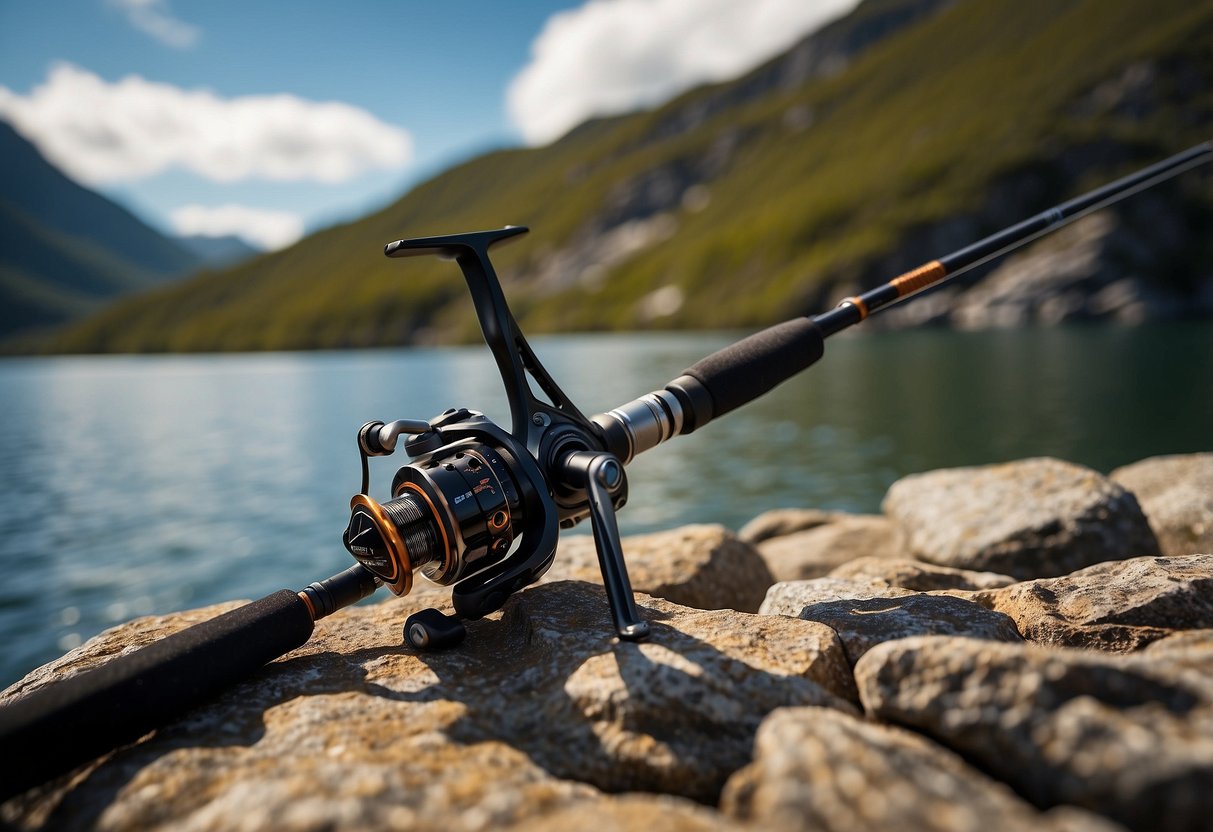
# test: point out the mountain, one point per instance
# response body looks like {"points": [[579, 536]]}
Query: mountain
{"points": [[894, 135], [227, 250], [65, 250]]}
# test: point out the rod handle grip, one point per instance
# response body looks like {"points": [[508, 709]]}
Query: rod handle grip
{"points": [[743, 371], [66, 723]]}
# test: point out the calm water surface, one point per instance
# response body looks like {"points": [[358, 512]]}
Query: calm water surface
{"points": [[132, 485]]}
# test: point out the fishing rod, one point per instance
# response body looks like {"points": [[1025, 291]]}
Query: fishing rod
{"points": [[477, 508]]}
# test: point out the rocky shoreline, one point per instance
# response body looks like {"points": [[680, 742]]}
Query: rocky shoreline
{"points": [[1021, 646]]}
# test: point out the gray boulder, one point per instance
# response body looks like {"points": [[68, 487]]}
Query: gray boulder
{"points": [[783, 521], [1176, 494], [702, 566], [815, 552], [917, 575], [792, 597], [886, 613], [816, 769], [1037, 518], [1125, 736], [1186, 648]]}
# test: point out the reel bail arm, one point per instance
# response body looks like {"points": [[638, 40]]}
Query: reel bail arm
{"points": [[513, 355]]}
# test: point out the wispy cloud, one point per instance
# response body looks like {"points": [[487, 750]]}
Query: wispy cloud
{"points": [[261, 228], [611, 56], [153, 17], [101, 132]]}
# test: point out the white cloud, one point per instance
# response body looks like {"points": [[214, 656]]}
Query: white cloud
{"points": [[611, 56], [260, 228], [101, 132], [154, 18]]}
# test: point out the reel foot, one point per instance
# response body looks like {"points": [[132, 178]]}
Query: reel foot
{"points": [[634, 632], [433, 630]]}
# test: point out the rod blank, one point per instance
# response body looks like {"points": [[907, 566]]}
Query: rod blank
{"points": [[854, 309]]}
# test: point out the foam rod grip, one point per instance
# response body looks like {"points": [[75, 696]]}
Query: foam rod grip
{"points": [[64, 724], [742, 372]]}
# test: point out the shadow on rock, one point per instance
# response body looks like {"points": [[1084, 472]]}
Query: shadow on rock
{"points": [[673, 714], [538, 701], [233, 720]]}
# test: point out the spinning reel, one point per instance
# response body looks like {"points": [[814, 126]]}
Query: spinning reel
{"points": [[478, 507]]}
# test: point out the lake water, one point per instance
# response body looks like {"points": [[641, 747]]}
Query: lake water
{"points": [[136, 485]]}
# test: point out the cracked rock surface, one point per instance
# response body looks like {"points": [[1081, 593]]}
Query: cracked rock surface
{"points": [[1122, 606]]}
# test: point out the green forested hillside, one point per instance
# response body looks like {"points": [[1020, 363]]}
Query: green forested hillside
{"points": [[65, 250], [751, 201]]}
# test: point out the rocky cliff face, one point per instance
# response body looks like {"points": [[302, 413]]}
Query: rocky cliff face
{"points": [[908, 687]]}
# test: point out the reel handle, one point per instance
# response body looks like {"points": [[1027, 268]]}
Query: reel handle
{"points": [[600, 474]]}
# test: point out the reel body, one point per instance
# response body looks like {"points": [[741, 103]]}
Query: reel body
{"points": [[455, 513]]}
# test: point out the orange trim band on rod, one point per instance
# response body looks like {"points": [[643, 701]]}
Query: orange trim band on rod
{"points": [[311, 608], [919, 278], [958, 262], [858, 303]]}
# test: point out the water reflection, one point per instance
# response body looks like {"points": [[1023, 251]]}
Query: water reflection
{"points": [[136, 485]]}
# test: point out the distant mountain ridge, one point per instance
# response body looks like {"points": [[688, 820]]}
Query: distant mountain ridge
{"points": [[225, 250], [65, 250], [900, 132]]}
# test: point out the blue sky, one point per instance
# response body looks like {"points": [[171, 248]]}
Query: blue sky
{"points": [[193, 111]]}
